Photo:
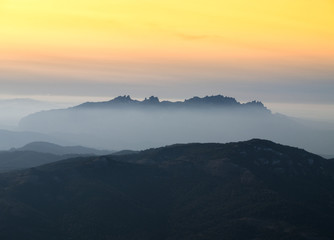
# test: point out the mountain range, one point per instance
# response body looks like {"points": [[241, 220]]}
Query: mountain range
{"points": [[244, 190], [125, 123], [218, 101]]}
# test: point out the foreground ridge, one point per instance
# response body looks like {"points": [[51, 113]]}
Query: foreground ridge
{"points": [[244, 190]]}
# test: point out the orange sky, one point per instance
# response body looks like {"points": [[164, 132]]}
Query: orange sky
{"points": [[155, 41], [167, 29]]}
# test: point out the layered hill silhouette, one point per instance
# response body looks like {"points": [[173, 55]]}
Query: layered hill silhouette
{"points": [[39, 153], [125, 123], [45, 147], [16, 139], [10, 160], [245, 190]]}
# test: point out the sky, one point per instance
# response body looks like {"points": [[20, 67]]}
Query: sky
{"points": [[275, 51]]}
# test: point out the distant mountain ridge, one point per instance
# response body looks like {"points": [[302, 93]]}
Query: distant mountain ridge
{"points": [[16, 139], [45, 147], [38, 153], [213, 101]]}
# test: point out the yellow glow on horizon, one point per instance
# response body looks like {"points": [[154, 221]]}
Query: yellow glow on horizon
{"points": [[170, 30]]}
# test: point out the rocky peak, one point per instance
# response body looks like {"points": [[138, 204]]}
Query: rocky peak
{"points": [[123, 99], [151, 100]]}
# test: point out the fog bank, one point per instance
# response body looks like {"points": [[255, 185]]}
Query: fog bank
{"points": [[138, 129]]}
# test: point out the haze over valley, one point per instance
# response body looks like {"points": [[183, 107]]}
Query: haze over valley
{"points": [[125, 123]]}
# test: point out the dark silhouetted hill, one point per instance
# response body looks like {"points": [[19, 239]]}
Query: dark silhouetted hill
{"points": [[125, 152], [246, 190], [10, 161]]}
